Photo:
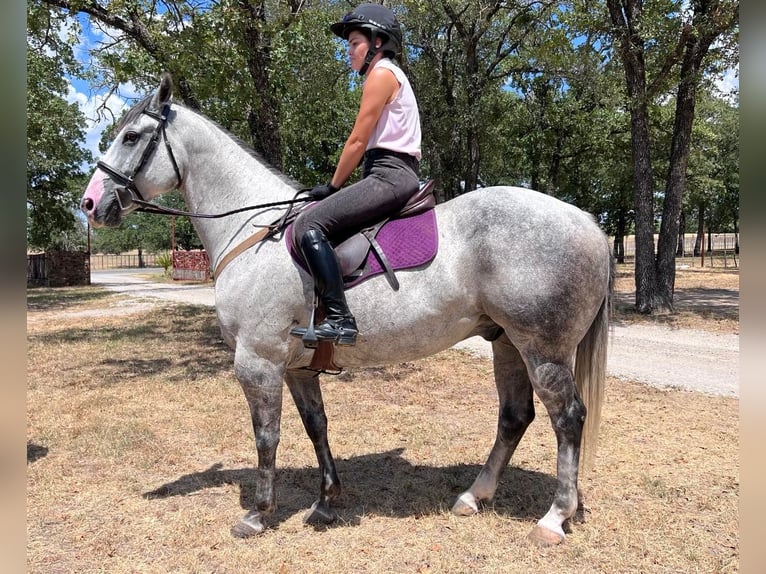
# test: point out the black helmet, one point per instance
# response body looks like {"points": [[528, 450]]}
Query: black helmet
{"points": [[379, 20]]}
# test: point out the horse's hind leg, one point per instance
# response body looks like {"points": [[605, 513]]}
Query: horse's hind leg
{"points": [[554, 384], [307, 395], [516, 413]]}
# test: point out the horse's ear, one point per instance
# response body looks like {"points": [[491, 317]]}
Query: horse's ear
{"points": [[165, 91]]}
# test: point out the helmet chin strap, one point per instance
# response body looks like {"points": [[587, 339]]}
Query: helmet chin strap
{"points": [[367, 60], [371, 53]]}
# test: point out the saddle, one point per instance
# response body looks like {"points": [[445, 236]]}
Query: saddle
{"points": [[404, 240]]}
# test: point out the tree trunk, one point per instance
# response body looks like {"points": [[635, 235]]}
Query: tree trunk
{"points": [[694, 51], [263, 117], [619, 239], [681, 247], [631, 49]]}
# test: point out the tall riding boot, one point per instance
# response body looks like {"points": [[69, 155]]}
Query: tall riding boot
{"points": [[339, 324]]}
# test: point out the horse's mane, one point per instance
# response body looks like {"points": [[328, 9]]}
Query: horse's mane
{"points": [[140, 107]]}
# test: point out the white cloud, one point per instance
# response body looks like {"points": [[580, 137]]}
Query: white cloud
{"points": [[100, 111], [729, 82]]}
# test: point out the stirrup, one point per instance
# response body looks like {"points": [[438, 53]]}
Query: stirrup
{"points": [[332, 330], [308, 335]]}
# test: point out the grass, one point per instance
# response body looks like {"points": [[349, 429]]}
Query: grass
{"points": [[140, 457], [704, 298]]}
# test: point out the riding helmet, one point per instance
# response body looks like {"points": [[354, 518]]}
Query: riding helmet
{"points": [[379, 20]]}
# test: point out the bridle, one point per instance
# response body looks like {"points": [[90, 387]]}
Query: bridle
{"points": [[129, 194]]}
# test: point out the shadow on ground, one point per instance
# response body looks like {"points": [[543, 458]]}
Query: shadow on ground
{"points": [[384, 484], [35, 452]]}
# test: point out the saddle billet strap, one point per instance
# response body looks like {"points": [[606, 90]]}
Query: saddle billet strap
{"points": [[380, 255]]}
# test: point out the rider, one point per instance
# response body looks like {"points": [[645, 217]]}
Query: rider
{"points": [[386, 134]]}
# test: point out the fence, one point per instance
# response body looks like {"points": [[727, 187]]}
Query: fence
{"points": [[724, 249], [187, 265], [124, 260]]}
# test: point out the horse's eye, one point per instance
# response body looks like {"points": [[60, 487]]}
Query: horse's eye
{"points": [[131, 138]]}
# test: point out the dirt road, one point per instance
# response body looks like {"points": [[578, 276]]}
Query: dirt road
{"points": [[658, 356]]}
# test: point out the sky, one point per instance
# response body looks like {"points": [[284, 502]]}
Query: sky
{"points": [[92, 102]]}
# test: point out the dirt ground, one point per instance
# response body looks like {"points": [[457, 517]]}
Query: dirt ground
{"points": [[140, 458]]}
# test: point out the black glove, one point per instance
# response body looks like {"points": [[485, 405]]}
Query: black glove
{"points": [[321, 191]]}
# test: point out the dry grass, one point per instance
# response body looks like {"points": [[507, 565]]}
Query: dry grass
{"points": [[140, 457], [705, 298]]}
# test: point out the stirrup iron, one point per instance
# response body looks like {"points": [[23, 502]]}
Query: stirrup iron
{"points": [[308, 335]]}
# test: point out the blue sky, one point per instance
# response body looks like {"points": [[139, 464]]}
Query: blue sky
{"points": [[99, 108]]}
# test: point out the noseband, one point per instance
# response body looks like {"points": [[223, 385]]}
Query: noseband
{"points": [[128, 194]]}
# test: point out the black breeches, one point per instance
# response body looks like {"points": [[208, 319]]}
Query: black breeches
{"points": [[389, 181]]}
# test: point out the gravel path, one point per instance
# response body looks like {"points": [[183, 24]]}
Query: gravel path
{"points": [[654, 355]]}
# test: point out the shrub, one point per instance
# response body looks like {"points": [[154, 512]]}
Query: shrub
{"points": [[166, 262]]}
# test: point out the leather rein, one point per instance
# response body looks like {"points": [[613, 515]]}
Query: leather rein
{"points": [[128, 194]]}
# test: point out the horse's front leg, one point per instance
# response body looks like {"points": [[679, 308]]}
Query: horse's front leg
{"points": [[261, 382], [307, 394], [554, 384]]}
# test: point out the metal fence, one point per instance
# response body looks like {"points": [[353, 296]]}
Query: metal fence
{"points": [[723, 252], [124, 260]]}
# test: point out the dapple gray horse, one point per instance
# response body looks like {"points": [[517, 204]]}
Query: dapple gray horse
{"points": [[530, 273]]}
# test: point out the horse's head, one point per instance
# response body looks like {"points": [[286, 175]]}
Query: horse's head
{"points": [[135, 168]]}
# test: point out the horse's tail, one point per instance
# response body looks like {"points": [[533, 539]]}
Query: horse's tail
{"points": [[590, 370]]}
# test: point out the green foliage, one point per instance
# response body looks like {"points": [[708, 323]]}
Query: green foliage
{"points": [[55, 130], [510, 93], [165, 260]]}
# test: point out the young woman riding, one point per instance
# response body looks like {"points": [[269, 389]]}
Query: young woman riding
{"points": [[386, 134]]}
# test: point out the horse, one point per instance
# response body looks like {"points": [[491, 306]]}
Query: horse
{"points": [[526, 271]]}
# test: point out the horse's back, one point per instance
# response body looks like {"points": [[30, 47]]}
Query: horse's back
{"points": [[521, 214]]}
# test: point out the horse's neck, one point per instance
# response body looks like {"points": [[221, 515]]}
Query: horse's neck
{"points": [[221, 176]]}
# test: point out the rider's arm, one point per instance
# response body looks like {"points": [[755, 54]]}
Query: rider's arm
{"points": [[379, 89]]}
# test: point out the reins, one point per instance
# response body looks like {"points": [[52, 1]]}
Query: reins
{"points": [[149, 207]]}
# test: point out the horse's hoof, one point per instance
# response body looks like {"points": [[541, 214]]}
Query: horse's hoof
{"points": [[465, 505], [542, 537], [320, 513], [249, 525]]}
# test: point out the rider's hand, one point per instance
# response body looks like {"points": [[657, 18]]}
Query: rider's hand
{"points": [[321, 191]]}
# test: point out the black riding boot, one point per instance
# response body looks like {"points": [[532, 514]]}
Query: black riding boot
{"points": [[339, 324]]}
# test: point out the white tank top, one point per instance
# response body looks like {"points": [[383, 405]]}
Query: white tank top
{"points": [[398, 128]]}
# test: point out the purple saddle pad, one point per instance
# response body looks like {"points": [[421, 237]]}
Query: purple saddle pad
{"points": [[407, 242]]}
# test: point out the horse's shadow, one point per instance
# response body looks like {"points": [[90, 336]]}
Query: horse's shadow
{"points": [[383, 484]]}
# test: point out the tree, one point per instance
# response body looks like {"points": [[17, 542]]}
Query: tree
{"points": [[55, 132], [463, 53], [524, 93], [209, 49], [652, 47]]}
